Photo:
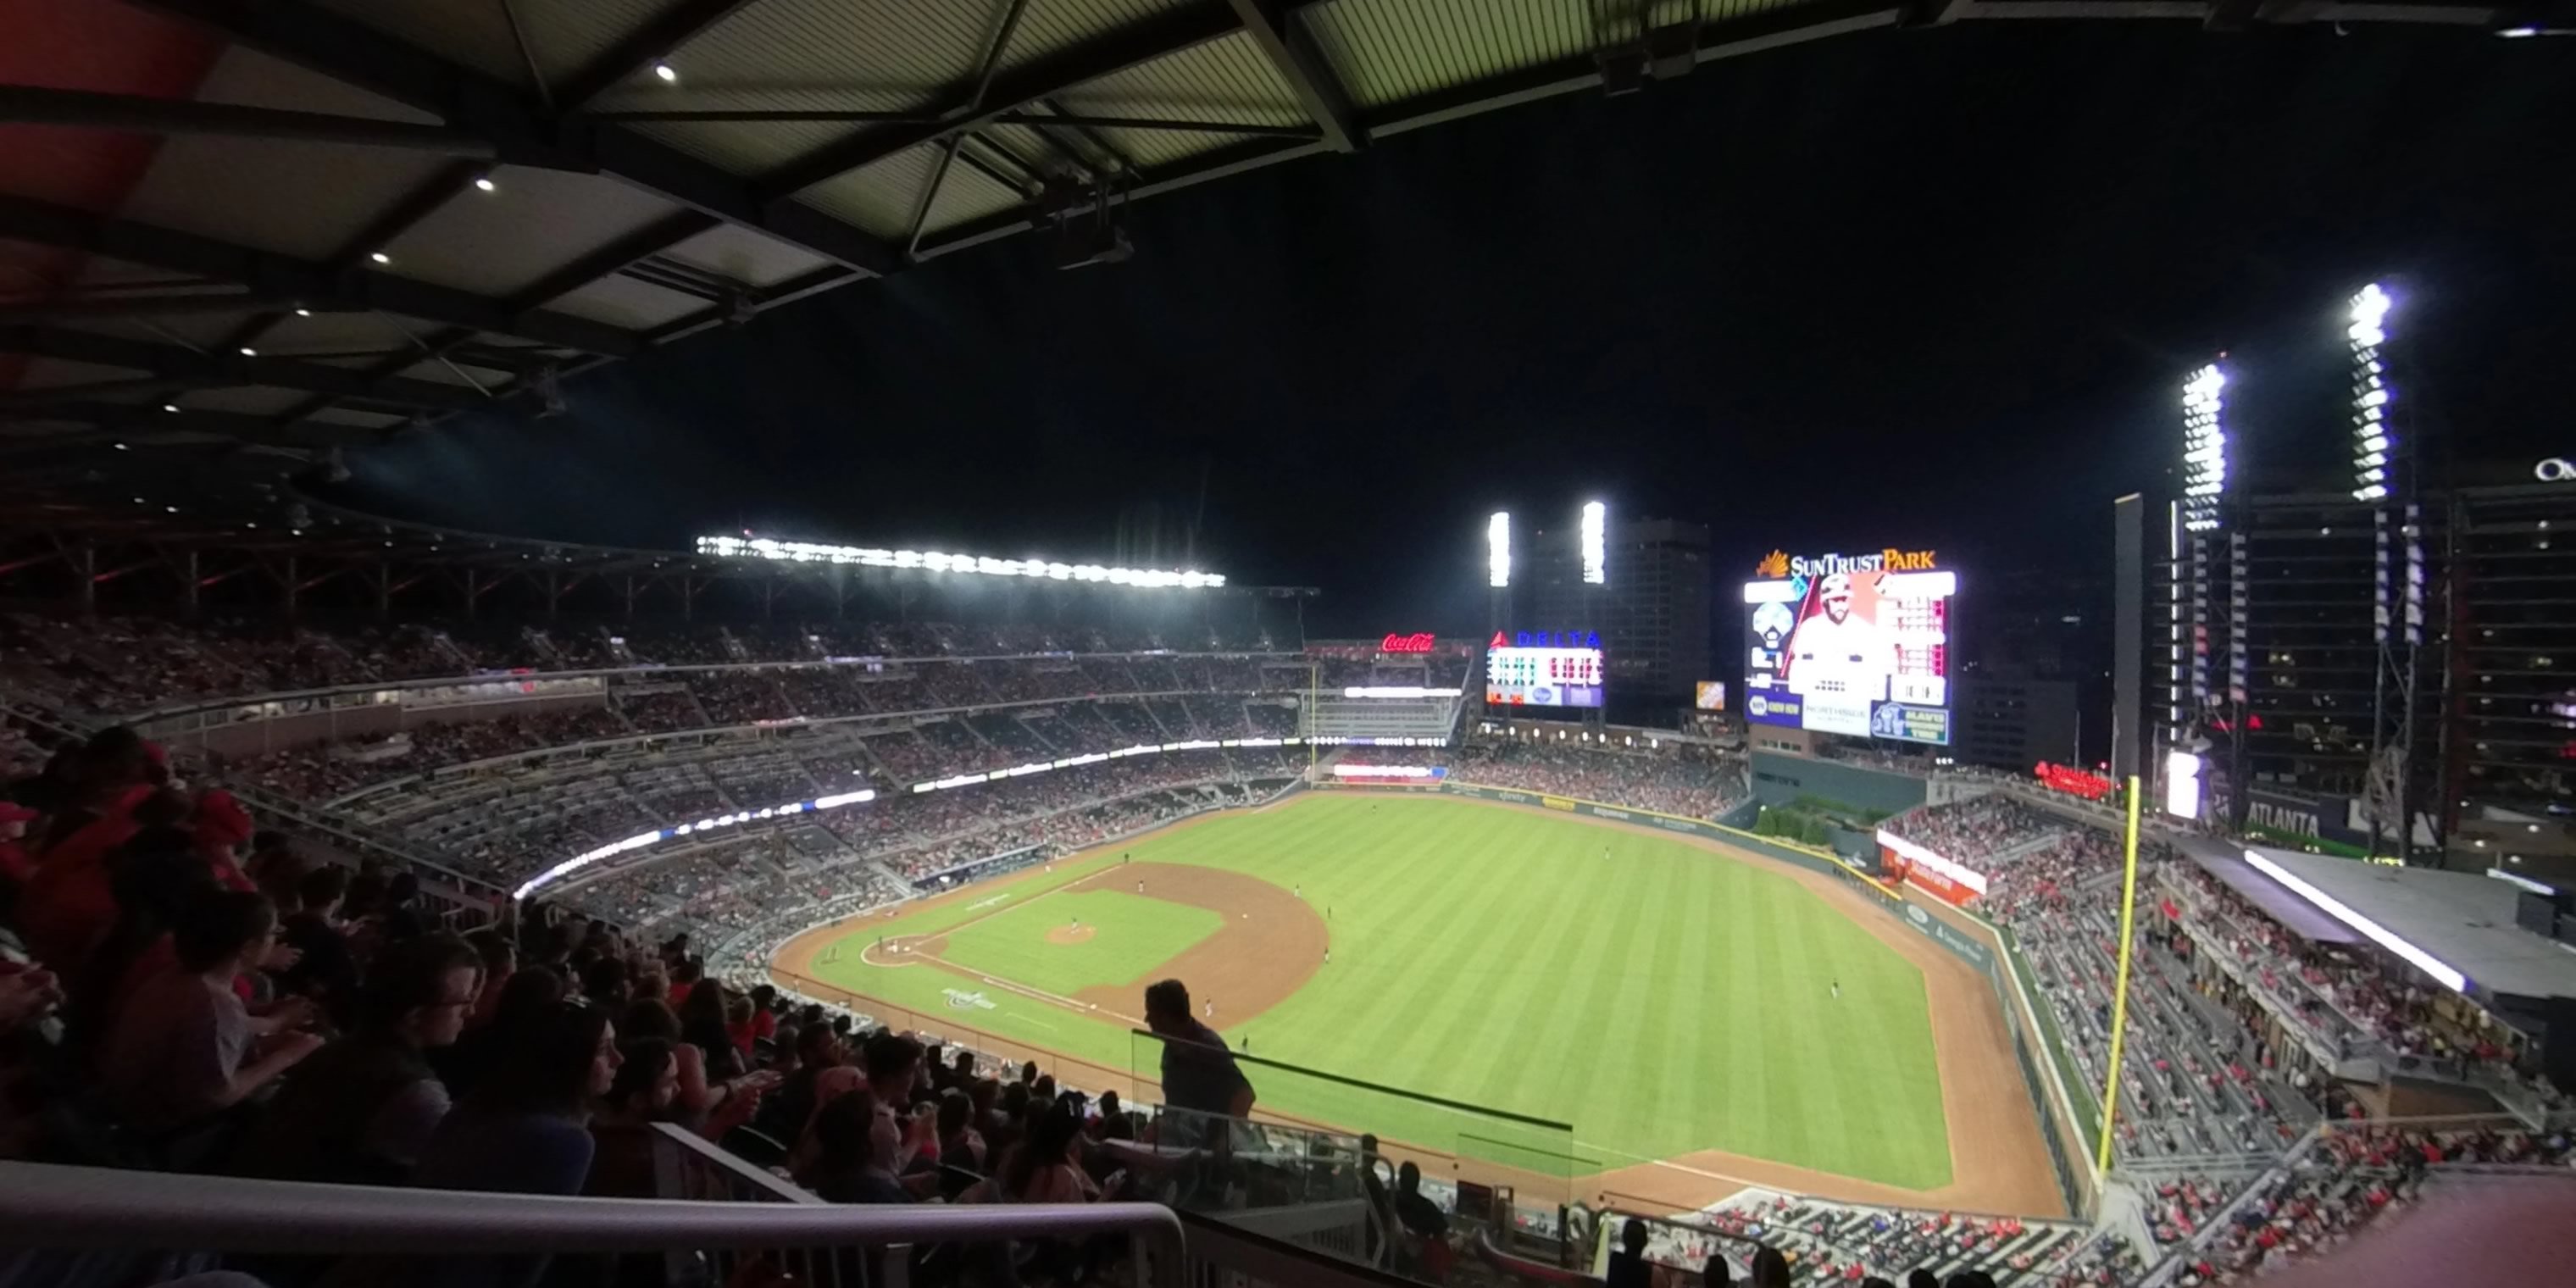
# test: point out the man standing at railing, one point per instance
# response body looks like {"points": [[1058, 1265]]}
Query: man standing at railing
{"points": [[1199, 1074]]}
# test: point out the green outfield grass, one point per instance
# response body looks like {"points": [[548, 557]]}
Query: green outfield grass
{"points": [[1659, 997], [1131, 935]]}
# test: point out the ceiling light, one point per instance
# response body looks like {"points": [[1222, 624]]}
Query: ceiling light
{"points": [[381, 257], [2519, 33], [663, 70], [170, 407], [249, 352], [121, 447], [483, 182], [304, 313]]}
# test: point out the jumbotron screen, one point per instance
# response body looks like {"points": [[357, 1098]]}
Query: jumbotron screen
{"points": [[1544, 669], [1857, 645]]}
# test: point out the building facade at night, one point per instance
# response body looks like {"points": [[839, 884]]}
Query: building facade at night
{"points": [[2269, 650], [1652, 609]]}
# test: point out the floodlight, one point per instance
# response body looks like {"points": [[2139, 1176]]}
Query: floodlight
{"points": [[1498, 549], [937, 561], [2204, 447], [1596, 561], [2371, 396]]}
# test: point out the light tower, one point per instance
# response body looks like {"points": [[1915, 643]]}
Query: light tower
{"points": [[2386, 475], [2206, 705], [1593, 532]]}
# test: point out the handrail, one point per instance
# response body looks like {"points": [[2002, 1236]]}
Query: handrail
{"points": [[1246, 1057], [318, 820], [724, 1164], [46, 1205]]}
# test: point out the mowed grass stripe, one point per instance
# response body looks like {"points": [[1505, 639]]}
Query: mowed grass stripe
{"points": [[1664, 999], [1130, 934]]}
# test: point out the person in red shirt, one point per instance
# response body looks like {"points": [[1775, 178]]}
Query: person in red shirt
{"points": [[69, 903], [222, 827], [683, 975], [15, 863]]}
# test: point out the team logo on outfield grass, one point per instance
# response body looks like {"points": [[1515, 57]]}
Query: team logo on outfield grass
{"points": [[961, 1000]]}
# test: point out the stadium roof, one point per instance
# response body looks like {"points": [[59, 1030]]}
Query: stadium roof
{"points": [[305, 223], [2226, 861], [2463, 920]]}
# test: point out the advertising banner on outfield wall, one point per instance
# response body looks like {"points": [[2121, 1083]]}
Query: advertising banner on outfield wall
{"points": [[1923, 877]]}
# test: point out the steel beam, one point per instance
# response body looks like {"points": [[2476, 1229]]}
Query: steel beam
{"points": [[228, 370], [1218, 163], [151, 387], [799, 116], [1172, 32], [1766, 29], [788, 292], [143, 424], [415, 207], [189, 304], [615, 257], [33, 105], [46, 224], [349, 50], [1300, 62], [659, 37]]}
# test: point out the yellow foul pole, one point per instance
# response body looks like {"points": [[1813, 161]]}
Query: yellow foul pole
{"points": [[1314, 684], [2120, 990]]}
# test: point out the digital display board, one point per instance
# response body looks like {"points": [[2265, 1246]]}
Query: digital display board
{"points": [[2182, 784], [1709, 695], [1857, 645], [1561, 669]]}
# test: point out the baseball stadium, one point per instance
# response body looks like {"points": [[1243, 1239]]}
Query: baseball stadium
{"points": [[464, 819]]}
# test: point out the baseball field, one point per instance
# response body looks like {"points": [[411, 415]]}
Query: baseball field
{"points": [[1692, 1011]]}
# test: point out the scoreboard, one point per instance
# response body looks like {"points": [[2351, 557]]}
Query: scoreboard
{"points": [[1543, 675]]}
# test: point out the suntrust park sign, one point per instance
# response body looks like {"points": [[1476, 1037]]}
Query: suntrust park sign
{"points": [[1781, 564]]}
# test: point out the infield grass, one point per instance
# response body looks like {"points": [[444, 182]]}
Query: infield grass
{"points": [[1131, 935], [1659, 997]]}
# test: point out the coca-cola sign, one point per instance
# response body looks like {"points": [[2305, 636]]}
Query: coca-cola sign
{"points": [[1418, 642]]}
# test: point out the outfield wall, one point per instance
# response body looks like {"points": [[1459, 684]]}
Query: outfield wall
{"points": [[1779, 779], [2048, 1075]]}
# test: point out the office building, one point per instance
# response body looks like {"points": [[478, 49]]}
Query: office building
{"points": [[2276, 648], [1652, 609], [2010, 718]]}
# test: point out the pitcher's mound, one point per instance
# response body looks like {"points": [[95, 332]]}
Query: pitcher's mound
{"points": [[1068, 934]]}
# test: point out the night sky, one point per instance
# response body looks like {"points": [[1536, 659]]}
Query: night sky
{"points": [[1905, 288]]}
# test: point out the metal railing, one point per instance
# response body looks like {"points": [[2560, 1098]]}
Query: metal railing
{"points": [[48, 1209]]}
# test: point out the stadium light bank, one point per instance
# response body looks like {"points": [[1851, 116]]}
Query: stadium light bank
{"points": [[935, 561]]}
